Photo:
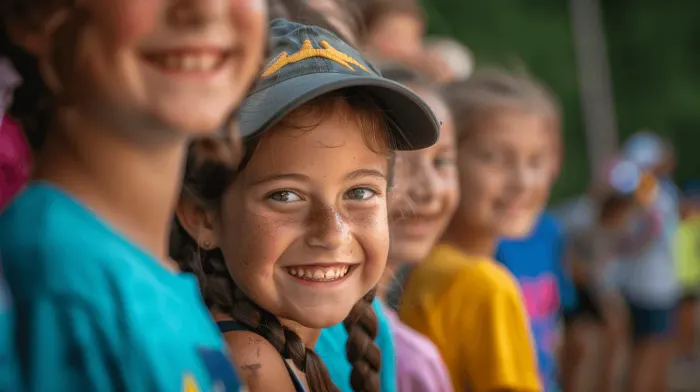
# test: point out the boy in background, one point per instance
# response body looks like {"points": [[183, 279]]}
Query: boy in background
{"points": [[650, 285]]}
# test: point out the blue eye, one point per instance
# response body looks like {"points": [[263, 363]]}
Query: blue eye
{"points": [[359, 194], [284, 197]]}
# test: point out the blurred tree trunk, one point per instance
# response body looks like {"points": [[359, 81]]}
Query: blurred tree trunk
{"points": [[596, 93]]}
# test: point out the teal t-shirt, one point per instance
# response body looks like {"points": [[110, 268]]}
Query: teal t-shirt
{"points": [[331, 348], [8, 371], [95, 313]]}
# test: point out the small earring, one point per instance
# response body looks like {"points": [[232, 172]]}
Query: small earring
{"points": [[206, 244]]}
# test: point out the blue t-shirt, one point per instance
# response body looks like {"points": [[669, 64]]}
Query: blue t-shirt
{"points": [[536, 261], [331, 348], [95, 313]]}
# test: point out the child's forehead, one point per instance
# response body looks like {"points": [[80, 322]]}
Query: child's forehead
{"points": [[329, 145], [513, 124]]}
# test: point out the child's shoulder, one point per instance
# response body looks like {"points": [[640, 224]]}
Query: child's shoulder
{"points": [[258, 362], [489, 276], [52, 245], [468, 273]]}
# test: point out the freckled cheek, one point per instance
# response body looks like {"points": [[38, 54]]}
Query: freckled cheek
{"points": [[256, 243], [371, 229]]}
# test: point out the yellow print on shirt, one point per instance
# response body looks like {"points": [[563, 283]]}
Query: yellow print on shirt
{"points": [[189, 384]]}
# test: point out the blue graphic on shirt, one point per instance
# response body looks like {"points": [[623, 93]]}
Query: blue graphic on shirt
{"points": [[221, 373], [536, 262]]}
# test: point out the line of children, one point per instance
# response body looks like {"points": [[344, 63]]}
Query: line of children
{"points": [[303, 234], [121, 87], [295, 242], [595, 248], [469, 305]]}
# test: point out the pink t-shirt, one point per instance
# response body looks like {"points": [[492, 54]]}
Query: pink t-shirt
{"points": [[14, 159], [419, 365]]}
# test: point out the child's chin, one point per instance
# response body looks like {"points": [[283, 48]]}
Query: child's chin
{"points": [[319, 319], [518, 230]]}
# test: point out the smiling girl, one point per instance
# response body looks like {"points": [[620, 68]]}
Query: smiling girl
{"points": [[124, 85], [298, 238]]}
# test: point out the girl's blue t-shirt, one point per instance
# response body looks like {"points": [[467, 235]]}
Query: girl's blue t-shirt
{"points": [[537, 263], [331, 348], [95, 313]]}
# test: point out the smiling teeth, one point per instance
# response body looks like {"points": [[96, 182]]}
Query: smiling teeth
{"points": [[188, 62], [319, 274]]}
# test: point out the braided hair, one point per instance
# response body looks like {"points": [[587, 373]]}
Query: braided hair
{"points": [[206, 180]]}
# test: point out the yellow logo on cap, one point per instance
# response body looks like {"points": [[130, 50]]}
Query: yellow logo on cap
{"points": [[307, 51]]}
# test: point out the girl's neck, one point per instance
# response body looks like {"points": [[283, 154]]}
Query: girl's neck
{"points": [[308, 335], [132, 187], [471, 240]]}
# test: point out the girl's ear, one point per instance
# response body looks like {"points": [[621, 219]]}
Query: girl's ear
{"points": [[198, 222]]}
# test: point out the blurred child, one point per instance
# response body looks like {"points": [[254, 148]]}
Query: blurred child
{"points": [[594, 253], [469, 305], [688, 269], [536, 261], [338, 16], [650, 285], [121, 87], [423, 200], [393, 31], [298, 238], [453, 55]]}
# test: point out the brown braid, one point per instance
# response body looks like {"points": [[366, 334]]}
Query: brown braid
{"points": [[362, 351], [222, 294]]}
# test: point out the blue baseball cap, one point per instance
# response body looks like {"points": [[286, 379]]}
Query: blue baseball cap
{"points": [[306, 62]]}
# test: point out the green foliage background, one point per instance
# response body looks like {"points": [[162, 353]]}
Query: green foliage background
{"points": [[654, 51]]}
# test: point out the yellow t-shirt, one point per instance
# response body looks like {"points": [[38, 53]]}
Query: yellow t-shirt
{"points": [[688, 255], [472, 309]]}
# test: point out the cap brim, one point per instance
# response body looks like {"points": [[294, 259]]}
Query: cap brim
{"points": [[413, 125]]}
